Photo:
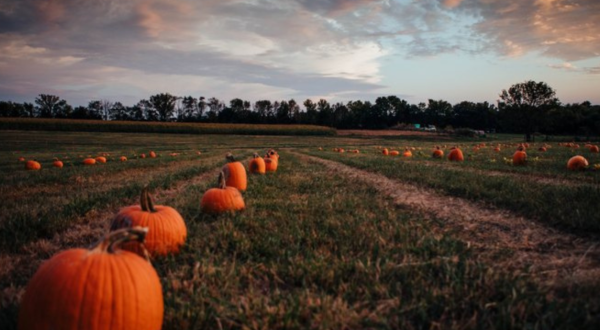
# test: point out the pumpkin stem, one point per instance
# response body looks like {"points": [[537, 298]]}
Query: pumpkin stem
{"points": [[146, 201], [112, 241], [230, 157], [221, 180], [256, 155]]}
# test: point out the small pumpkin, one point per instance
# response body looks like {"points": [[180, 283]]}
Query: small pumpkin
{"points": [[456, 155], [271, 153], [595, 149], [519, 158], [542, 149], [222, 199], [271, 164], [577, 163], [394, 153], [407, 153], [57, 163], [152, 154], [100, 288], [235, 173], [257, 165], [167, 230], [89, 161], [32, 165], [385, 151], [143, 156], [497, 149], [21, 159], [101, 159], [438, 153], [123, 158]]}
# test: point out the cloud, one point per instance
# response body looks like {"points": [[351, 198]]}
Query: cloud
{"points": [[564, 66]]}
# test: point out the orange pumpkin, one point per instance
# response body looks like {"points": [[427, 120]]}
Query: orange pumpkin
{"points": [[497, 149], [394, 153], [519, 158], [57, 163], [143, 156], [123, 158], [257, 165], [594, 149], [32, 165], [542, 149], [456, 155], [101, 288], [222, 199], [438, 153], [167, 230], [271, 153], [152, 154], [101, 159], [89, 161], [235, 173], [385, 151], [21, 159], [577, 163], [271, 164], [407, 153]]}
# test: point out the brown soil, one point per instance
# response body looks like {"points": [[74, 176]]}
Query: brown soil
{"points": [[500, 238], [366, 132]]}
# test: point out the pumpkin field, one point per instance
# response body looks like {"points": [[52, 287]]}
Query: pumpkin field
{"points": [[326, 232]]}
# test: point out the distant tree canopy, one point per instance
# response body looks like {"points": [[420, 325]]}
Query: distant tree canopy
{"points": [[529, 107]]}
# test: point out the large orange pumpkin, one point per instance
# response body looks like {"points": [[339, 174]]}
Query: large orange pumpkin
{"points": [[271, 164], [577, 163], [257, 165], [102, 288], [32, 165], [222, 199], [456, 155], [438, 153], [519, 158], [167, 229], [235, 173]]}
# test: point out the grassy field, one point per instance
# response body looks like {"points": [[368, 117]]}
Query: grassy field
{"points": [[316, 248]]}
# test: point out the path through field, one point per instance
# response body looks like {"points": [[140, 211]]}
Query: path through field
{"points": [[554, 257]]}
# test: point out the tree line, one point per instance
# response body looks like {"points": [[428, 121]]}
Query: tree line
{"points": [[527, 107]]}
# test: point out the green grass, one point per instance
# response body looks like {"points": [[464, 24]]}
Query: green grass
{"points": [[313, 249]]}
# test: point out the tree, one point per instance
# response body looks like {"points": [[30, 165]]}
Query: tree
{"points": [[523, 105], [50, 106], [164, 105]]}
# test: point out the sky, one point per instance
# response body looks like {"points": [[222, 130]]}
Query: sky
{"points": [[339, 50]]}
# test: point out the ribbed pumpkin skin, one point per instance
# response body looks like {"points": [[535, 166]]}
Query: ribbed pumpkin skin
{"points": [[235, 175], [519, 158], [577, 163], [219, 200], [83, 289], [167, 230], [271, 164], [32, 165], [257, 166], [89, 161], [456, 155], [438, 153]]}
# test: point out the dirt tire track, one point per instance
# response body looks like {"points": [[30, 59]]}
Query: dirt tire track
{"points": [[554, 258]]}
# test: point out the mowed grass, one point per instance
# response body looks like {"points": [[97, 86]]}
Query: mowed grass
{"points": [[312, 250], [571, 204]]}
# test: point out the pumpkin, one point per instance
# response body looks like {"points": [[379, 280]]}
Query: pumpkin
{"points": [[143, 156], [123, 158], [152, 154], [101, 159], [497, 149], [385, 151], [456, 155], [438, 153], [235, 173], [21, 159], [271, 164], [577, 163], [257, 165], [222, 199], [32, 165], [89, 161], [167, 230], [407, 153], [519, 158], [394, 153], [594, 149], [542, 149], [101, 288], [57, 163], [271, 153]]}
